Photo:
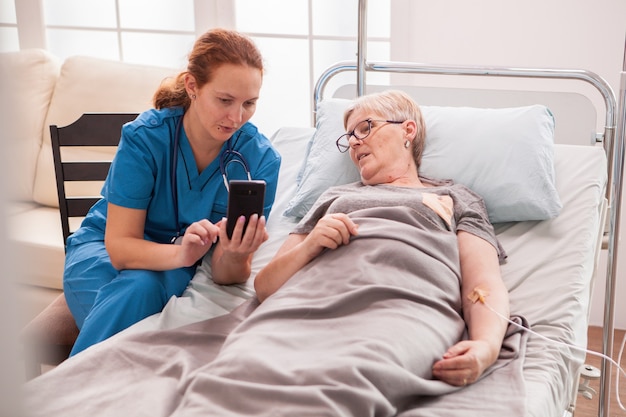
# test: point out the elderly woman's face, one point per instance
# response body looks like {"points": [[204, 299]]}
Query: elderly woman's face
{"points": [[381, 156]]}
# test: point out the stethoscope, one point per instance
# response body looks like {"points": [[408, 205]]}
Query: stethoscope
{"points": [[227, 156]]}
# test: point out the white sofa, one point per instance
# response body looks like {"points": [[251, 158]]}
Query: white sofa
{"points": [[40, 90]]}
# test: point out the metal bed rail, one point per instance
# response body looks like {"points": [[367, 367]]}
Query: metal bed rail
{"points": [[616, 183], [420, 68]]}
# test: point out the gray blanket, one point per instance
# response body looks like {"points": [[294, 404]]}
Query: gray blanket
{"points": [[354, 333]]}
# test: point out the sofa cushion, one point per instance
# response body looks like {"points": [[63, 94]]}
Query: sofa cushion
{"points": [[92, 85], [38, 245], [24, 104]]}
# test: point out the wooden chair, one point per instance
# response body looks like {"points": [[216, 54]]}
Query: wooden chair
{"points": [[49, 337]]}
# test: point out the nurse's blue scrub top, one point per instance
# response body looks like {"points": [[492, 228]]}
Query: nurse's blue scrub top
{"points": [[141, 177]]}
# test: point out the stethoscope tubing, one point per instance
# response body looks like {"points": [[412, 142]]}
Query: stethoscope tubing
{"points": [[227, 153]]}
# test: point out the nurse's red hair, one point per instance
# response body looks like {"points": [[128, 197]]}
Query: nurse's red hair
{"points": [[211, 50]]}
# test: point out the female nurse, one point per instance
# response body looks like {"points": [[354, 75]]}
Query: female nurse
{"points": [[166, 193]]}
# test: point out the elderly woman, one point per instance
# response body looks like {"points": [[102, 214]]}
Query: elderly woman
{"points": [[385, 140], [368, 308]]}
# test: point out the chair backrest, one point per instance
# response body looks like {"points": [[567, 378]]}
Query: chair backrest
{"points": [[82, 153]]}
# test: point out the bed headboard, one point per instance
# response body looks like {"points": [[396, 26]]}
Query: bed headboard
{"points": [[575, 113]]}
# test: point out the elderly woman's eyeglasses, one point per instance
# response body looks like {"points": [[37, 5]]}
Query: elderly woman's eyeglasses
{"points": [[360, 131]]}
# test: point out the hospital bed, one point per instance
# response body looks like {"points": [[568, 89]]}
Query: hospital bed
{"points": [[566, 179], [552, 263]]}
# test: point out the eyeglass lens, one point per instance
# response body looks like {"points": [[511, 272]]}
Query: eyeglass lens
{"points": [[362, 129]]}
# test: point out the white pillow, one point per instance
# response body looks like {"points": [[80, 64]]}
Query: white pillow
{"points": [[505, 155], [323, 166]]}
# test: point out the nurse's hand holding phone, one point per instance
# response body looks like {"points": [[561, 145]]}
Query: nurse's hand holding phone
{"points": [[245, 199], [246, 221], [241, 232]]}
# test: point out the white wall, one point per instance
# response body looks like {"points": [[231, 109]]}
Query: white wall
{"points": [[532, 33]]}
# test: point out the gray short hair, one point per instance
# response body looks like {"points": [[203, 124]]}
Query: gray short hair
{"points": [[392, 105]]}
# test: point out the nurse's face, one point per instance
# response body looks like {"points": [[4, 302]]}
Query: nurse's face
{"points": [[228, 101]]}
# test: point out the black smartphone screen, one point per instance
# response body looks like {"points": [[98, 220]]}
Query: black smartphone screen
{"points": [[245, 198]]}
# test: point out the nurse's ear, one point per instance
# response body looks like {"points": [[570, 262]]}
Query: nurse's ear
{"points": [[190, 85]]}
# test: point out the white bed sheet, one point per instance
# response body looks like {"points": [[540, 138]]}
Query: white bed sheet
{"points": [[548, 273]]}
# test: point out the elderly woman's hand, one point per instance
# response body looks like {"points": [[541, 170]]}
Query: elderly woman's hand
{"points": [[464, 362], [330, 232]]}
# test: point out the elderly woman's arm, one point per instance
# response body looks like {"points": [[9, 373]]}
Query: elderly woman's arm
{"points": [[464, 362], [330, 232]]}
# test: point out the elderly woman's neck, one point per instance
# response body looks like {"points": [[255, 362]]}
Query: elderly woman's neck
{"points": [[408, 178], [408, 182], [412, 181]]}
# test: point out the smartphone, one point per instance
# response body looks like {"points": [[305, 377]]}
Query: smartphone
{"points": [[245, 198]]}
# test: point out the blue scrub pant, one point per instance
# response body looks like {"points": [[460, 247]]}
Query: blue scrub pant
{"points": [[105, 301]]}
